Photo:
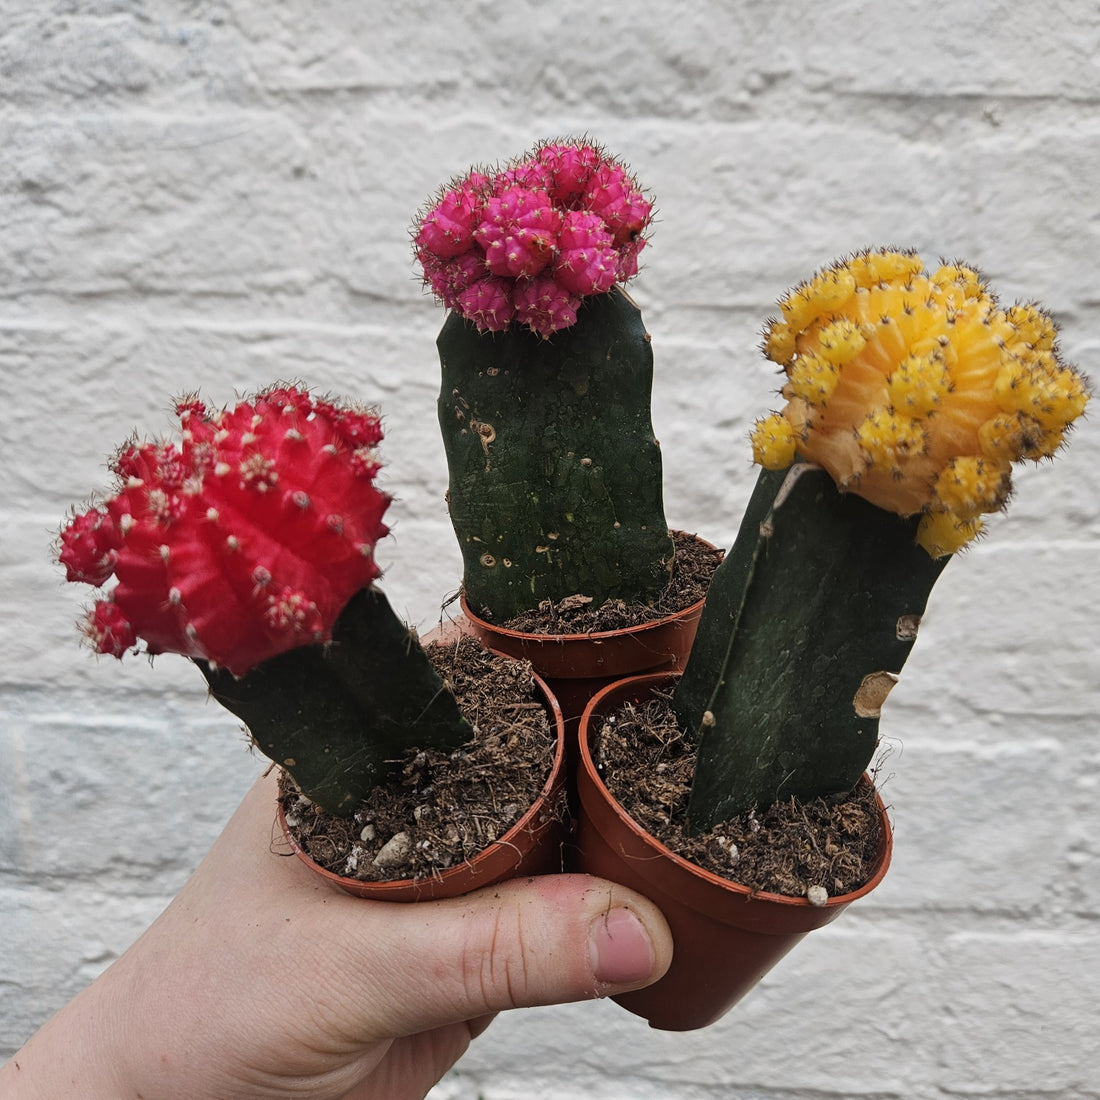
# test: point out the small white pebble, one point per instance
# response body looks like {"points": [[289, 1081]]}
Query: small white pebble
{"points": [[817, 895], [367, 833], [727, 846], [395, 852]]}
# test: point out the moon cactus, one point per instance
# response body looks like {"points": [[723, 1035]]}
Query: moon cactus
{"points": [[248, 546], [916, 390], [909, 395], [554, 471]]}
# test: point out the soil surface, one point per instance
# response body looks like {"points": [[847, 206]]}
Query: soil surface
{"points": [[440, 809], [789, 848], [693, 566]]}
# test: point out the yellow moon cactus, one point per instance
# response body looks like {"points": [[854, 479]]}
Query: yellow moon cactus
{"points": [[908, 398], [916, 391]]}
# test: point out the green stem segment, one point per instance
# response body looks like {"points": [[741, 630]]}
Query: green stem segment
{"points": [[807, 624], [340, 717], [555, 474]]}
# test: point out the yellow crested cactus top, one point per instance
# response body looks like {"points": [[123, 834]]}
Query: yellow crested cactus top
{"points": [[917, 391]]}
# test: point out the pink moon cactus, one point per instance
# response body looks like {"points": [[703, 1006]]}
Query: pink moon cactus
{"points": [[526, 244]]}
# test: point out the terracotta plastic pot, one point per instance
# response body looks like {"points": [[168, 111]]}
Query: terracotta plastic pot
{"points": [[576, 666], [726, 937], [533, 846]]}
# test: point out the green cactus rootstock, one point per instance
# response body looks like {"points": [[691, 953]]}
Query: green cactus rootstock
{"points": [[555, 474], [784, 684], [339, 717]]}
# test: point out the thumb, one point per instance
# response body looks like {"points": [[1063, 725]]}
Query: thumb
{"points": [[527, 942]]}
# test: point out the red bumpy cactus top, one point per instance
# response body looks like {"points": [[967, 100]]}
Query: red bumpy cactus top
{"points": [[527, 243], [242, 541]]}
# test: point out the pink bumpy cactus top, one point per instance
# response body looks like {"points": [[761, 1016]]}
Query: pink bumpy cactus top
{"points": [[527, 243]]}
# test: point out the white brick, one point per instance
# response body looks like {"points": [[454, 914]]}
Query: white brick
{"points": [[703, 423], [1010, 631], [980, 830], [121, 796], [110, 51], [759, 208], [1061, 262], [1017, 1013], [896, 51], [1081, 865]]}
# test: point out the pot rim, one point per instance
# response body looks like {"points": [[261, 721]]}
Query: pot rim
{"points": [[429, 888], [709, 878], [692, 611]]}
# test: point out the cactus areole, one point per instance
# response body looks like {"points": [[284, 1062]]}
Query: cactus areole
{"points": [[909, 396], [555, 474], [248, 546]]}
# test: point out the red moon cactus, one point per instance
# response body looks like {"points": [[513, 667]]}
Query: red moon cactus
{"points": [[243, 540]]}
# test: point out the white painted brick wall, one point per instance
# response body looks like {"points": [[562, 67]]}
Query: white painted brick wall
{"points": [[215, 194]]}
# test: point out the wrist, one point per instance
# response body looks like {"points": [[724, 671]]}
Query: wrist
{"points": [[76, 1053]]}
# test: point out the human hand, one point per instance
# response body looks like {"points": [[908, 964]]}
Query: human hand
{"points": [[260, 982]]}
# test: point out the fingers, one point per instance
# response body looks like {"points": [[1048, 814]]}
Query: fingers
{"points": [[529, 942], [393, 969], [257, 973]]}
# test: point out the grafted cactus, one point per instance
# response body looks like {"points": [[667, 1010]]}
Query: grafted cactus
{"points": [[555, 474], [908, 398], [248, 546]]}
